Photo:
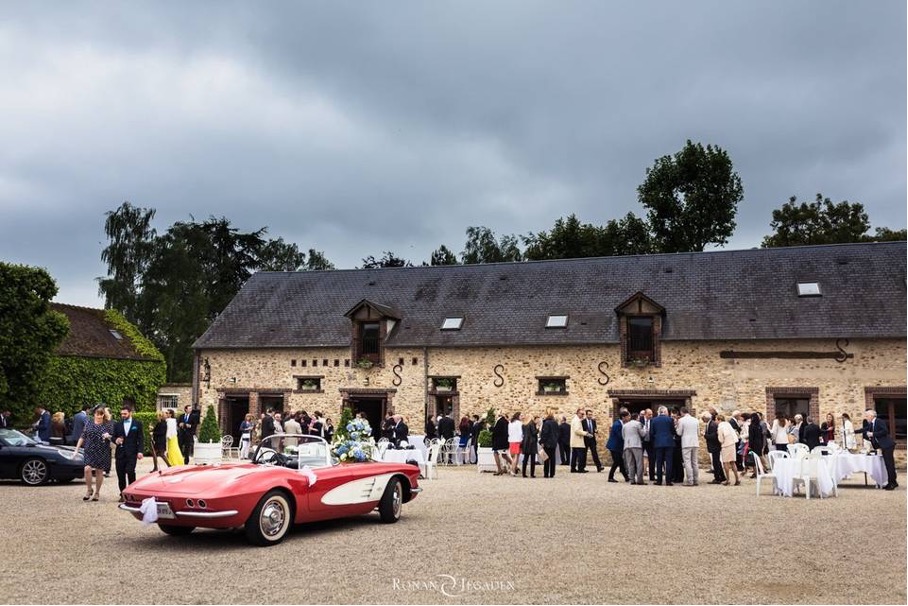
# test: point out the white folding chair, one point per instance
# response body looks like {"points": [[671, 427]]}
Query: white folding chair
{"points": [[379, 450], [432, 459], [798, 450], [763, 474], [449, 451], [776, 454], [227, 447]]}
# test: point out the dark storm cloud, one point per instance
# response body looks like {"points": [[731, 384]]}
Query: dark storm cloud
{"points": [[355, 128]]}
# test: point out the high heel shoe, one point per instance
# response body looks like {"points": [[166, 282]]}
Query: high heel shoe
{"points": [[95, 496], [725, 483], [87, 496], [737, 482]]}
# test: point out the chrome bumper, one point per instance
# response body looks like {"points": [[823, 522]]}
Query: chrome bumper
{"points": [[416, 490], [208, 515]]}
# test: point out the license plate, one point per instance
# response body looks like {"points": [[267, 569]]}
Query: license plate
{"points": [[165, 512]]}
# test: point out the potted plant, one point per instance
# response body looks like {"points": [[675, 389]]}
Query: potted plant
{"points": [[309, 385], [208, 449], [639, 361], [364, 363], [552, 387], [485, 458], [444, 384]]}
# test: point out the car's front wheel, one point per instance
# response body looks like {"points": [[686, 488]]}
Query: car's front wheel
{"points": [[176, 531], [390, 504], [270, 520], [34, 472]]}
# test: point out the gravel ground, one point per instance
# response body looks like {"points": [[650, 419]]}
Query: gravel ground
{"points": [[473, 538]]}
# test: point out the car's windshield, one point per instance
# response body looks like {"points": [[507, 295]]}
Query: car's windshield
{"points": [[11, 437], [295, 451]]}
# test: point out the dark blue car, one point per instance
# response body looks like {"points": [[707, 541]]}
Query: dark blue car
{"points": [[24, 459]]}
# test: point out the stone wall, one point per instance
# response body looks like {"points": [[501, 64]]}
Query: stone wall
{"points": [[508, 378]]}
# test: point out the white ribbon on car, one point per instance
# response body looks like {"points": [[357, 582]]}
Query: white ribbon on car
{"points": [[307, 471], [149, 511]]}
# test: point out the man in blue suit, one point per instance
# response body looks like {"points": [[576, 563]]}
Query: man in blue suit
{"points": [[79, 420], [615, 445], [130, 441], [662, 434], [877, 432], [42, 427]]}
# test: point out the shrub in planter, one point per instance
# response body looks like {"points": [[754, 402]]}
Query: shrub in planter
{"points": [[209, 432]]}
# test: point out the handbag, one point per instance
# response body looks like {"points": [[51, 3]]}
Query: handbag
{"points": [[542, 455]]}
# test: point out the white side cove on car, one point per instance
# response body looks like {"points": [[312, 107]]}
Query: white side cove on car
{"points": [[358, 491]]}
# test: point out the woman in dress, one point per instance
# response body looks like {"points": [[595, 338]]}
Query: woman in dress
{"points": [[756, 439], [246, 428], [329, 430], [515, 437], [96, 438], [174, 455], [848, 432], [159, 440], [728, 438]]}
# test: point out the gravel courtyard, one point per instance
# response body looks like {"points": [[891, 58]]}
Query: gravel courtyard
{"points": [[471, 538]]}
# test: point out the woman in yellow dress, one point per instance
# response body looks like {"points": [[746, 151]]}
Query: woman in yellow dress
{"points": [[174, 456]]}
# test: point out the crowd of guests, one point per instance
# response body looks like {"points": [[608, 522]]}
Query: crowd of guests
{"points": [[272, 422]]}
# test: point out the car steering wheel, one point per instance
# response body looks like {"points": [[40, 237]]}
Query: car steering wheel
{"points": [[272, 457]]}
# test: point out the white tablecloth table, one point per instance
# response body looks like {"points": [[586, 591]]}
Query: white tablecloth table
{"points": [[402, 456], [872, 465], [786, 470], [419, 443]]}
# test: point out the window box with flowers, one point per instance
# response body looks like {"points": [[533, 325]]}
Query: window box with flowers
{"points": [[365, 363], [443, 384], [639, 361]]}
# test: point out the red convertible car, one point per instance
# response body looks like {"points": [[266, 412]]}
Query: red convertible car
{"points": [[291, 479]]}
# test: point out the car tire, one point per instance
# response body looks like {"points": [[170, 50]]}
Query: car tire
{"points": [[176, 531], [391, 502], [270, 520], [34, 472]]}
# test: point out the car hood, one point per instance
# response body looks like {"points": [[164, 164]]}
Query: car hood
{"points": [[64, 451], [200, 479]]}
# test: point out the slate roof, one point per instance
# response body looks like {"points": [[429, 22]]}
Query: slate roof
{"points": [[90, 337], [719, 295]]}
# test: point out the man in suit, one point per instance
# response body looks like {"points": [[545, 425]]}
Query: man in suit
{"points": [[267, 424], [42, 427], [689, 430], [877, 432], [713, 447], [810, 433], [579, 435], [615, 446], [401, 432], [5, 419], [475, 430], [590, 426], [185, 433], [662, 436], [431, 431], [130, 441], [633, 432], [446, 432], [79, 420], [564, 440]]}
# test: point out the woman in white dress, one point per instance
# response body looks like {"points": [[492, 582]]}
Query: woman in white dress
{"points": [[848, 432]]}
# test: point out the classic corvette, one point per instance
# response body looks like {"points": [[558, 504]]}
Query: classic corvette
{"points": [[291, 479], [34, 463]]}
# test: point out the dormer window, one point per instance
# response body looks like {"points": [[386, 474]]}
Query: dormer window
{"points": [[640, 325], [371, 325]]}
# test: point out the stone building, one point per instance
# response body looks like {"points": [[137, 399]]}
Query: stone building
{"points": [[816, 330]]}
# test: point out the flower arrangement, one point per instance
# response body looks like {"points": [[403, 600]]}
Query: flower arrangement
{"points": [[353, 441]]}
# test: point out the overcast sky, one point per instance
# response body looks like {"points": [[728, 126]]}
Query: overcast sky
{"points": [[355, 128]]}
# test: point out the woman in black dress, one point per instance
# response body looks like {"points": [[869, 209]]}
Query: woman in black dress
{"points": [[96, 437], [530, 446], [159, 440]]}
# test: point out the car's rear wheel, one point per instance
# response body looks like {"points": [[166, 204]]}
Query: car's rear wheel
{"points": [[176, 531], [390, 505], [270, 520], [34, 472]]}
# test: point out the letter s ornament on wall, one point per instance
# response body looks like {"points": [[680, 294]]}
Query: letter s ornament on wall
{"points": [[499, 381]]}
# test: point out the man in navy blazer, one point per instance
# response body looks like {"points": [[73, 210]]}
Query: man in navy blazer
{"points": [[662, 436], [877, 432], [129, 438]]}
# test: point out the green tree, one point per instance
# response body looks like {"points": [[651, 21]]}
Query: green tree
{"points": [[483, 247], [692, 199], [130, 247], [389, 259], [29, 332], [277, 255], [823, 222], [569, 239], [443, 256], [317, 261], [209, 432]]}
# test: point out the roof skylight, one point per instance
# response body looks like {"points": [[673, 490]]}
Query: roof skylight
{"points": [[809, 289], [452, 323], [556, 322]]}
